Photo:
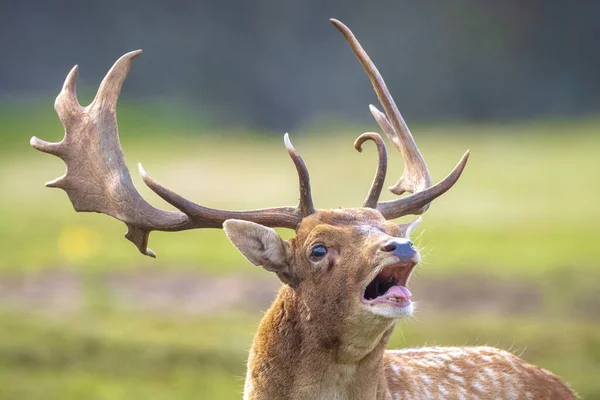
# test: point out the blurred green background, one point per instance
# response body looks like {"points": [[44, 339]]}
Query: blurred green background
{"points": [[510, 256], [511, 253]]}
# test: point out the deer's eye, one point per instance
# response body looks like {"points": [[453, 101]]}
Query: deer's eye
{"points": [[318, 252]]}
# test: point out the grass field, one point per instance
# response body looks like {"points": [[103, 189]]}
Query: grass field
{"points": [[124, 356], [525, 211]]}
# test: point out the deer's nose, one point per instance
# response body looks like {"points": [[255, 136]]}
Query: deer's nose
{"points": [[400, 247]]}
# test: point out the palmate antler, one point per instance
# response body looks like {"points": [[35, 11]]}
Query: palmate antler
{"points": [[97, 178], [415, 178]]}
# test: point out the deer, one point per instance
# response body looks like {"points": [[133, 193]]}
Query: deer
{"points": [[344, 275]]}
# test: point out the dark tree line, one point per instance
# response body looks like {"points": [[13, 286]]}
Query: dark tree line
{"points": [[276, 64]]}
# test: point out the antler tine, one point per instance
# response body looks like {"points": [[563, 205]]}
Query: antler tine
{"points": [[110, 87], [416, 175], [66, 105], [66, 102], [416, 203], [375, 190], [415, 178], [205, 217], [284, 217], [305, 204], [47, 147]]}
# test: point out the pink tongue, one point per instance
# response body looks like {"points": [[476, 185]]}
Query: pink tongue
{"points": [[399, 292]]}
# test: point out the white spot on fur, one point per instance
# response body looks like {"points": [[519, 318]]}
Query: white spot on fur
{"points": [[487, 359], [457, 353], [430, 363], [470, 362], [443, 391], [456, 378], [454, 368], [491, 376], [478, 386]]}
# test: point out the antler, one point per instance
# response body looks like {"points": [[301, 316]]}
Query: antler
{"points": [[97, 178], [379, 179], [415, 178]]}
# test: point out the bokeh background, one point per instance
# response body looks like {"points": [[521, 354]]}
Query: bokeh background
{"points": [[511, 254]]}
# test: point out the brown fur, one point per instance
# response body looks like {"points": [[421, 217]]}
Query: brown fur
{"points": [[319, 341]]}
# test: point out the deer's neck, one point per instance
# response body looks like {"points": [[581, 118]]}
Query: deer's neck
{"points": [[298, 355]]}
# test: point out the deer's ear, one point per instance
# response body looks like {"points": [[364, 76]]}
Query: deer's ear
{"points": [[261, 246]]}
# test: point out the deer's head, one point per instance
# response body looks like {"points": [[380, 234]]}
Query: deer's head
{"points": [[347, 265], [354, 263]]}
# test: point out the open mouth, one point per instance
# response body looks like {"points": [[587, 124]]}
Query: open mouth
{"points": [[389, 286]]}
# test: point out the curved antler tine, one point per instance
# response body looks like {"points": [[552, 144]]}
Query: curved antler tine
{"points": [[139, 237], [66, 105], [66, 101], [416, 174], [176, 200], [110, 88], [47, 147], [205, 217], [375, 190], [383, 122], [306, 203], [418, 202], [69, 89]]}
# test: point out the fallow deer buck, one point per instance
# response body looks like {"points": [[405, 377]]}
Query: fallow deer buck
{"points": [[344, 275]]}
